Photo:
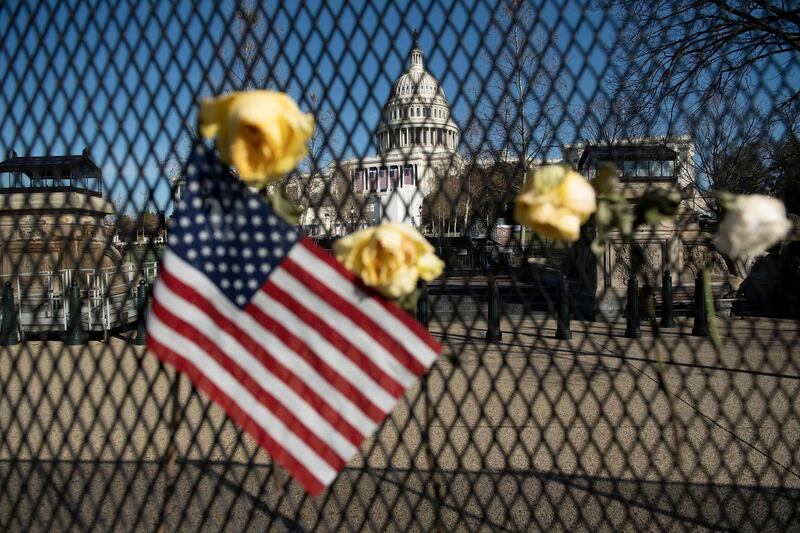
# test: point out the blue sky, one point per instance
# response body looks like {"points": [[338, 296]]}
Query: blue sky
{"points": [[125, 80]]}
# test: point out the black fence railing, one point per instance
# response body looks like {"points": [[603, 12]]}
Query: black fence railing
{"points": [[573, 393]]}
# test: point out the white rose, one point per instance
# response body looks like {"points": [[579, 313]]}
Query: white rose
{"points": [[752, 224]]}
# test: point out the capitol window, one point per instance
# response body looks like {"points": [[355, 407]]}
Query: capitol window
{"points": [[408, 175], [373, 179], [383, 182]]}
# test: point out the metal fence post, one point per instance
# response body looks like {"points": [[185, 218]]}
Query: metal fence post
{"points": [[75, 336], [667, 318], [700, 328], [141, 310], [632, 330], [423, 309], [563, 331], [8, 322], [493, 328]]}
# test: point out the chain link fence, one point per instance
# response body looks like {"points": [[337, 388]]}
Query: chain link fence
{"points": [[575, 391]]}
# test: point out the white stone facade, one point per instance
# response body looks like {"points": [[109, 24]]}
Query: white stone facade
{"points": [[416, 138]]}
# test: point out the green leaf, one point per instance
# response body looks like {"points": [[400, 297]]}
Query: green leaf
{"points": [[614, 212], [409, 301], [657, 205], [713, 330], [283, 206], [606, 182]]}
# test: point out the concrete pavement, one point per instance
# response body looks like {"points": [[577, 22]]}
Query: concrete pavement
{"points": [[600, 432]]}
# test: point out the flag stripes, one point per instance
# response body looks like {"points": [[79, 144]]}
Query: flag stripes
{"points": [[375, 386], [416, 340], [309, 367], [244, 327], [253, 417], [294, 409]]}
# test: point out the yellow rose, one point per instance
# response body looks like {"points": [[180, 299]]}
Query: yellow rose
{"points": [[555, 201], [263, 134], [390, 258]]}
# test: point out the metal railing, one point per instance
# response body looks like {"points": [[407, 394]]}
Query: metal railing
{"points": [[109, 294]]}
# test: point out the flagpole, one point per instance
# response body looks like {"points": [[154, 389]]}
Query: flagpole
{"points": [[426, 442], [170, 454]]}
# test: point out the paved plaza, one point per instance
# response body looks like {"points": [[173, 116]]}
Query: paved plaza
{"points": [[527, 433]]}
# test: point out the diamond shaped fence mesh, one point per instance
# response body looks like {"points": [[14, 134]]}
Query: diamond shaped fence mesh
{"points": [[585, 385]]}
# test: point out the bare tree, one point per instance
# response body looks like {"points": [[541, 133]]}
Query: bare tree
{"points": [[517, 110], [251, 69], [323, 141], [731, 143], [786, 168], [681, 54], [615, 115]]}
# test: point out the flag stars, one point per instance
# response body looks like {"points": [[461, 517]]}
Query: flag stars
{"points": [[229, 232]]}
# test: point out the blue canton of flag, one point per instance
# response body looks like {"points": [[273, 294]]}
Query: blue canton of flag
{"points": [[286, 340], [226, 231]]}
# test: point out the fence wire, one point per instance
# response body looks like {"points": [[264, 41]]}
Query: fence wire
{"points": [[579, 387]]}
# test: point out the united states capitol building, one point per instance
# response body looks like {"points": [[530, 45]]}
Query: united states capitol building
{"points": [[416, 141]]}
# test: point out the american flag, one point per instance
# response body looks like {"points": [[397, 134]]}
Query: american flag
{"points": [[273, 329]]}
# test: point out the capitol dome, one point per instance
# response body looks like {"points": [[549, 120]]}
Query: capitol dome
{"points": [[417, 115], [416, 83]]}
